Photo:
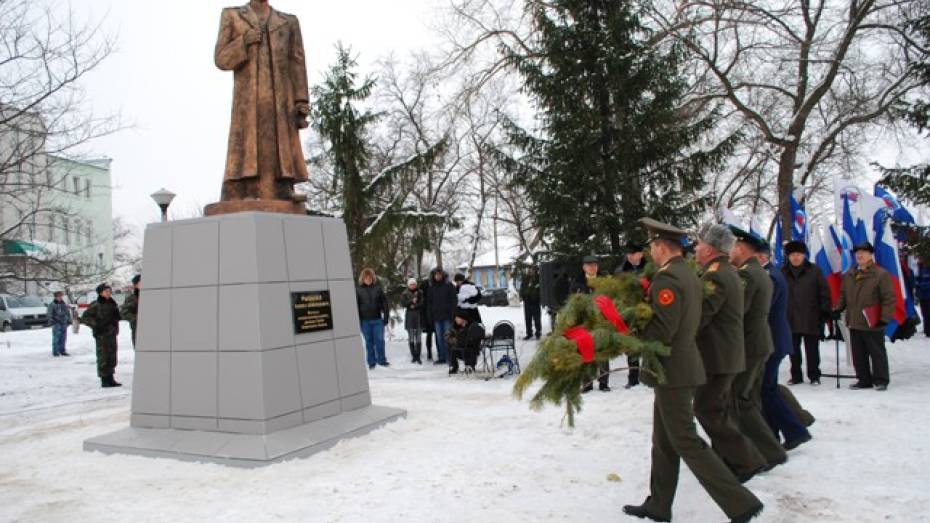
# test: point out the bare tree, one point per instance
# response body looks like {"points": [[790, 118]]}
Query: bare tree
{"points": [[810, 77], [45, 53]]}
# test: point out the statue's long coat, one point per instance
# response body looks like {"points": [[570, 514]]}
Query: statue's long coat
{"points": [[270, 80]]}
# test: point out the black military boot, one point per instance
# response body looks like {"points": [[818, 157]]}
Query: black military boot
{"points": [[640, 511], [114, 383], [748, 515]]}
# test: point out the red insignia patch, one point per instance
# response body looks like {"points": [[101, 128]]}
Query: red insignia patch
{"points": [[666, 297]]}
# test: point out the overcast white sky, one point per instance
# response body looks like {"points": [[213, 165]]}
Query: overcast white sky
{"points": [[164, 82]]}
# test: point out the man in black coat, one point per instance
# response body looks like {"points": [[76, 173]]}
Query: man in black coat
{"points": [[441, 301], [532, 310], [425, 322], [808, 306]]}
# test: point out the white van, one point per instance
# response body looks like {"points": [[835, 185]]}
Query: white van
{"points": [[26, 312]]}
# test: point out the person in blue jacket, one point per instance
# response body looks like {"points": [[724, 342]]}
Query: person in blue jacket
{"points": [[779, 414], [923, 293], [59, 318]]}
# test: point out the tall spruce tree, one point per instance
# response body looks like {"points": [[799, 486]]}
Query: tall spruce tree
{"points": [[376, 203], [614, 141]]}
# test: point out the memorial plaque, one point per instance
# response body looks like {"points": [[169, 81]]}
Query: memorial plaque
{"points": [[313, 312]]}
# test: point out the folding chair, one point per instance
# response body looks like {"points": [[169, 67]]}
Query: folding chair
{"points": [[502, 340]]}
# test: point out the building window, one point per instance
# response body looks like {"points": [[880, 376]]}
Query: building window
{"points": [[77, 186], [87, 187], [67, 230], [51, 228]]}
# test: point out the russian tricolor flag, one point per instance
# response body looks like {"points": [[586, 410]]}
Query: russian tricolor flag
{"points": [[828, 254], [798, 220], [886, 256], [898, 211]]}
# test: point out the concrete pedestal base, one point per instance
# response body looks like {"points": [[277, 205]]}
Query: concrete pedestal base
{"points": [[244, 450], [222, 372]]}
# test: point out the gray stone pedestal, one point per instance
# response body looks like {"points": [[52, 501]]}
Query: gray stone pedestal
{"points": [[220, 373]]}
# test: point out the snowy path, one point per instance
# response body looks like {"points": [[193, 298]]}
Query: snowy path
{"points": [[466, 452]]}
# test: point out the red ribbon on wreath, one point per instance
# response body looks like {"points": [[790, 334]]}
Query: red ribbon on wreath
{"points": [[584, 340], [610, 313]]}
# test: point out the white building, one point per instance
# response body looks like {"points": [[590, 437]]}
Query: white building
{"points": [[56, 224]]}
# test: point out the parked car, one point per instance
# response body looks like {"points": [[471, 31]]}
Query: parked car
{"points": [[494, 298], [6, 319], [26, 311]]}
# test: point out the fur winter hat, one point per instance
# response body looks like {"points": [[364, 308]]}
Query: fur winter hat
{"points": [[795, 246], [718, 236]]}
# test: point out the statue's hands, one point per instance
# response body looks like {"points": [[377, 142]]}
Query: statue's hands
{"points": [[303, 111], [253, 37]]}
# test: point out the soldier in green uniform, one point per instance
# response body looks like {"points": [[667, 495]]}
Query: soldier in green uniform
{"points": [[676, 294], [129, 310], [747, 387], [720, 340], [103, 319]]}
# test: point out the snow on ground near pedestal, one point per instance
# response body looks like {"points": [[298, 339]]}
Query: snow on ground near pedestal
{"points": [[466, 452]]}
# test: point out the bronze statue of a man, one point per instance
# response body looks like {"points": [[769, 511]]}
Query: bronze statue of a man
{"points": [[264, 49]]}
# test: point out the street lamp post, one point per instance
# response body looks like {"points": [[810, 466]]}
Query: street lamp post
{"points": [[163, 199]]}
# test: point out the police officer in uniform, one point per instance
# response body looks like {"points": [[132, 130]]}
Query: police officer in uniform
{"points": [[720, 340], [747, 387], [676, 295]]}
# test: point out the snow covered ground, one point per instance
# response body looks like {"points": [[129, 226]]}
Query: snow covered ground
{"points": [[466, 452]]}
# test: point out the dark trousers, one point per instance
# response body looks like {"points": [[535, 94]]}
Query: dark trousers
{"points": [[811, 350], [675, 438], [106, 355], [866, 346], [604, 371], [778, 413], [468, 354], [429, 344], [747, 410], [532, 315], [633, 377], [711, 405], [925, 315], [414, 337]]}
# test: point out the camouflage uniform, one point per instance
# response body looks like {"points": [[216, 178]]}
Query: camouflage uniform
{"points": [[103, 318], [129, 311]]}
